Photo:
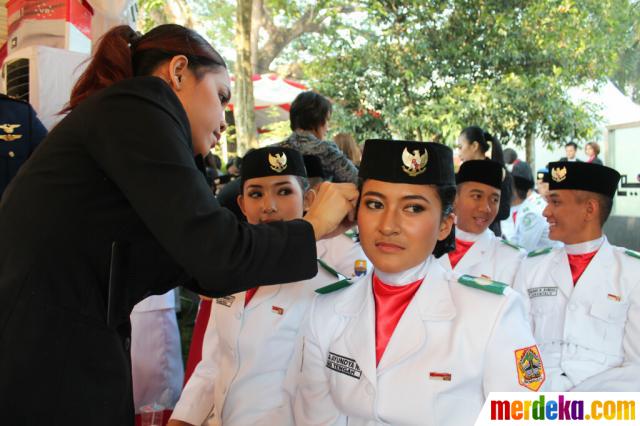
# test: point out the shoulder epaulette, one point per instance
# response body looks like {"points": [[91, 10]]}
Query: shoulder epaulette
{"points": [[351, 234], [329, 269], [510, 244], [632, 253], [539, 252], [483, 284], [334, 287]]}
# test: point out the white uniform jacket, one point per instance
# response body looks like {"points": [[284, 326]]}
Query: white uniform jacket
{"points": [[589, 335], [245, 355], [452, 346], [344, 254], [489, 257]]}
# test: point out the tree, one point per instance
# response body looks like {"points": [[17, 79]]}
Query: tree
{"points": [[244, 112], [429, 68]]}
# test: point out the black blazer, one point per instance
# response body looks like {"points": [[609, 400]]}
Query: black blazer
{"points": [[110, 209]]}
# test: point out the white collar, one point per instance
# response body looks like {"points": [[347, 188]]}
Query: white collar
{"points": [[468, 236], [409, 276], [585, 247]]}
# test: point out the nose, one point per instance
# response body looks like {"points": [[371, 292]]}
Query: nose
{"points": [[547, 211], [268, 204], [485, 207], [223, 124], [388, 223]]}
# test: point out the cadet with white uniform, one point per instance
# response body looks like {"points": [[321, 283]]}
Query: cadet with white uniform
{"points": [[478, 251], [584, 298], [250, 337], [408, 343]]}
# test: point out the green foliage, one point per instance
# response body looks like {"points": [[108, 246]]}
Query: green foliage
{"points": [[430, 68]]}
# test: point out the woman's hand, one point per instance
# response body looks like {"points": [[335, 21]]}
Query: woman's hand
{"points": [[333, 210]]}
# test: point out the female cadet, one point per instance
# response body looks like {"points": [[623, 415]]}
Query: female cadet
{"points": [[478, 251], [407, 344], [251, 335], [473, 144], [112, 208]]}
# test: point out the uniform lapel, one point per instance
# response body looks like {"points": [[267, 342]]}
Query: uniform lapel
{"points": [[432, 302], [263, 294], [476, 254], [595, 275], [560, 273], [360, 331]]}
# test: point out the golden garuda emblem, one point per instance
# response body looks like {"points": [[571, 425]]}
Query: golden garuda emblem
{"points": [[278, 162], [416, 163], [9, 135], [558, 174]]}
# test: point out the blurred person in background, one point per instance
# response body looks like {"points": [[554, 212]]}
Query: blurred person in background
{"points": [[592, 149], [347, 144]]}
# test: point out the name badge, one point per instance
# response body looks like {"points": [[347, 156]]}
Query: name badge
{"points": [[226, 301], [542, 291], [344, 365]]}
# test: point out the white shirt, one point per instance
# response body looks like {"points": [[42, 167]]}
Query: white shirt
{"points": [[245, 355], [343, 254], [589, 335], [447, 329], [531, 229], [489, 257]]}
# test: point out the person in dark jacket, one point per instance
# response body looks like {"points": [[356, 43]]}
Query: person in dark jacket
{"points": [[20, 134], [112, 208]]}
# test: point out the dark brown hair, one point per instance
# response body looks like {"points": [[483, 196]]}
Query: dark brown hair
{"points": [[123, 53]]}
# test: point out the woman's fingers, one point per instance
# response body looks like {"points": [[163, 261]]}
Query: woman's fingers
{"points": [[334, 204]]}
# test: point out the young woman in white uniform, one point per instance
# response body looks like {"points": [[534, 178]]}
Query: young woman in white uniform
{"points": [[250, 337], [410, 343]]}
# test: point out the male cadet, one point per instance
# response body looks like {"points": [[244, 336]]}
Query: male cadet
{"points": [[478, 251], [20, 133], [530, 229], [542, 183], [343, 251], [584, 298]]}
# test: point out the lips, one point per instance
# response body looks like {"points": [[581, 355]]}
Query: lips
{"points": [[387, 247]]}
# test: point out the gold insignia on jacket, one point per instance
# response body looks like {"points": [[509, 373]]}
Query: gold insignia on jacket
{"points": [[558, 174], [278, 162], [9, 135], [416, 163]]}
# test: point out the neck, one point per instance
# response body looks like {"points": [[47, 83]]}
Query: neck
{"points": [[585, 246], [408, 276], [463, 235], [588, 234], [516, 201]]}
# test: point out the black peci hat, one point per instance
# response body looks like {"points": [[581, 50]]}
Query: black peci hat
{"points": [[583, 176], [543, 175], [272, 161], [314, 166], [395, 161], [488, 172]]}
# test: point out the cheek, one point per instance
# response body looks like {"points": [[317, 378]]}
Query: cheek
{"points": [[252, 209]]}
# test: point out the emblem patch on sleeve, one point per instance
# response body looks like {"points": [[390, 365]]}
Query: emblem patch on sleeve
{"points": [[344, 365], [530, 369]]}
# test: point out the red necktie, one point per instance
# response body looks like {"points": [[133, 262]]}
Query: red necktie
{"points": [[462, 247], [195, 349], [391, 302], [249, 295], [578, 263], [515, 213]]}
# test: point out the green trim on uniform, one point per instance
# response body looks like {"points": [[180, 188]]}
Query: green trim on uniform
{"points": [[329, 269], [632, 253], [539, 252], [482, 283], [351, 234], [334, 287], [510, 244]]}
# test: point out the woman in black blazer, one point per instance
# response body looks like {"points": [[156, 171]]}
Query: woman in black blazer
{"points": [[113, 207], [592, 149]]}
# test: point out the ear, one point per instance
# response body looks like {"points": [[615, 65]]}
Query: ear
{"points": [[177, 71], [445, 226], [592, 210], [309, 198], [240, 201]]}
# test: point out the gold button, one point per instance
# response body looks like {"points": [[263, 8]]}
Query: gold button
{"points": [[12, 154]]}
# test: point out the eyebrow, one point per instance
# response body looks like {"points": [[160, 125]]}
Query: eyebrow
{"points": [[257, 186], [405, 198]]}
